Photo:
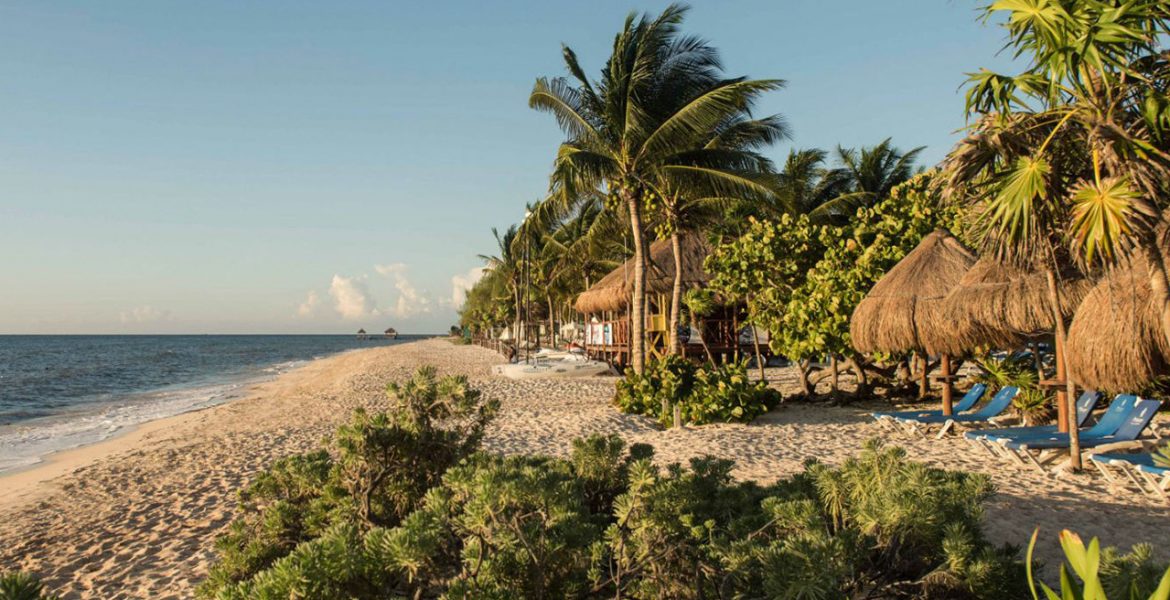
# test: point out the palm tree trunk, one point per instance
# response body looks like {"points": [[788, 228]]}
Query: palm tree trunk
{"points": [[552, 330], [759, 355], [1074, 437], [516, 323], [676, 292], [638, 301]]}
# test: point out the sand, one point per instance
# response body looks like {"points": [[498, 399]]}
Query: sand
{"points": [[136, 517]]}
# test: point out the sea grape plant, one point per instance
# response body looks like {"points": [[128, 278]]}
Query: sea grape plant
{"points": [[707, 394]]}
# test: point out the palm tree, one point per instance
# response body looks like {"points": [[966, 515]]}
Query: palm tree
{"points": [[1071, 155], [645, 125], [506, 263], [862, 178], [690, 206]]}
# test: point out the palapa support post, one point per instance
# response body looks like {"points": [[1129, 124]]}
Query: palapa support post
{"points": [[924, 381], [1062, 417], [947, 400]]}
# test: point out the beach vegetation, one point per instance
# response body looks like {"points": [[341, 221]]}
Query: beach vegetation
{"points": [[1031, 404], [1102, 573], [802, 278], [17, 585], [377, 469], [700, 394], [607, 522]]}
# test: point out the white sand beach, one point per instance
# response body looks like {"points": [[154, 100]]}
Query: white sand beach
{"points": [[136, 517]]}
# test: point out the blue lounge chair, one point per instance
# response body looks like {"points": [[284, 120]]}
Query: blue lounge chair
{"points": [[994, 407], [1158, 477], [1140, 469], [980, 437], [966, 403], [1109, 422], [1031, 450]]}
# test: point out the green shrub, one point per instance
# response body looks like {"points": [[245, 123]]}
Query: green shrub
{"points": [[606, 522], [22, 586], [726, 394], [711, 394], [666, 382], [1032, 406], [382, 466]]}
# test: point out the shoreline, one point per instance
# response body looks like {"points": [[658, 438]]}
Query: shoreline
{"points": [[137, 516], [230, 387], [18, 485]]}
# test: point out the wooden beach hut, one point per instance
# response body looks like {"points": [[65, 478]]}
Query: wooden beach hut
{"points": [[1116, 341], [362, 335], [903, 310], [605, 306], [390, 334]]}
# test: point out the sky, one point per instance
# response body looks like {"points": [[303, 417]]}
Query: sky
{"points": [[315, 167]]}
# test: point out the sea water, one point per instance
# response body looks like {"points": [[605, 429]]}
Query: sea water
{"points": [[61, 392]]}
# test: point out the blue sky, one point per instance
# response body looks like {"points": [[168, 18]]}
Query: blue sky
{"points": [[267, 167]]}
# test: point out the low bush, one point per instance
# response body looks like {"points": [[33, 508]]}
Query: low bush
{"points": [[22, 586], [709, 394], [381, 467], [368, 521]]}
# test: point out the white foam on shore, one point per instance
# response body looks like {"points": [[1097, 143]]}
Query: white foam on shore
{"points": [[26, 443]]}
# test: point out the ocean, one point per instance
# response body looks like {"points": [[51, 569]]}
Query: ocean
{"points": [[61, 392]]}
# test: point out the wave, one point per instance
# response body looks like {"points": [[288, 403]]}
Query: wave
{"points": [[27, 442]]}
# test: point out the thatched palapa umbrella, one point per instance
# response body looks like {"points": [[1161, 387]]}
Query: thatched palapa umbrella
{"points": [[1116, 340], [1001, 306], [902, 313]]}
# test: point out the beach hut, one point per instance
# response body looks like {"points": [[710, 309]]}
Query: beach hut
{"points": [[390, 334], [902, 312], [998, 305], [362, 335], [605, 306], [1116, 341]]}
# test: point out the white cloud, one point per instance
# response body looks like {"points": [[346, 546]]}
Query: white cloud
{"points": [[410, 300], [351, 297], [462, 282], [144, 314], [311, 305]]}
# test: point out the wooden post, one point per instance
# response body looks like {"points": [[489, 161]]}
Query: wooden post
{"points": [[923, 382], [1061, 397], [947, 406]]}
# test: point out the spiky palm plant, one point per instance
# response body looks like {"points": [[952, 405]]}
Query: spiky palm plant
{"points": [[1071, 154], [646, 125]]}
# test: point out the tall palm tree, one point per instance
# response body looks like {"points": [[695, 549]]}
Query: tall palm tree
{"points": [[647, 121], [506, 263], [1072, 154], [691, 206]]}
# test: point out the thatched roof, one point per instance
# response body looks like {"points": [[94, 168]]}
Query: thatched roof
{"points": [[1115, 341], [1000, 305], [613, 292], [901, 312]]}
